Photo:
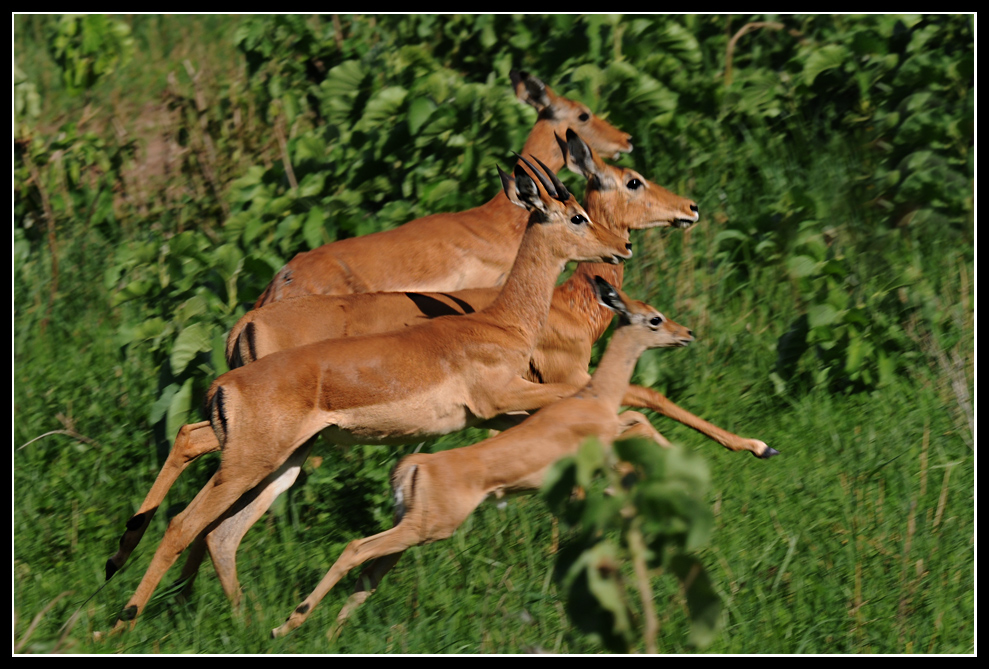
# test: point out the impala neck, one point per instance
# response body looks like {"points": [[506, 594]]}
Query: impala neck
{"points": [[577, 292], [524, 300], [610, 381]]}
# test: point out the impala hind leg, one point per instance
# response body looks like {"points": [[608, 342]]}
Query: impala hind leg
{"points": [[223, 540], [226, 486], [192, 441]]}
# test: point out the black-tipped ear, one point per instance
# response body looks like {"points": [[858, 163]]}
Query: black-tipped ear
{"points": [[563, 147], [527, 190], [609, 297], [529, 89], [581, 159]]}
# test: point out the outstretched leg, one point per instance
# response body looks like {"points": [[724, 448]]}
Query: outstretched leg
{"points": [[646, 398], [192, 441]]}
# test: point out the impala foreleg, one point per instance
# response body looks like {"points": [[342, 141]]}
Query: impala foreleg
{"points": [[192, 441], [637, 396]]}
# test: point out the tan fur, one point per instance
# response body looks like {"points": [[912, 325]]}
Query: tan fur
{"points": [[449, 485]]}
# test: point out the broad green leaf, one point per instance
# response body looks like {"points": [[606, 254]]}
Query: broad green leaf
{"points": [[821, 314], [419, 112], [178, 410], [801, 266], [313, 230], [188, 344], [825, 58], [703, 601]]}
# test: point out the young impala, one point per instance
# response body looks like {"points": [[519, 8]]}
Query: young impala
{"points": [[446, 251], [397, 387], [435, 493]]}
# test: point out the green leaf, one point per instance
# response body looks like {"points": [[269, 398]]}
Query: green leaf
{"points": [[821, 314], [190, 342], [703, 601], [801, 266], [419, 112], [825, 58], [313, 230], [178, 410]]}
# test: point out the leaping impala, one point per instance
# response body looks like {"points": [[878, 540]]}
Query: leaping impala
{"points": [[446, 251], [435, 493], [396, 387], [619, 198]]}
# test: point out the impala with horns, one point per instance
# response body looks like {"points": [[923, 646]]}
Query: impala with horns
{"points": [[397, 387], [446, 251], [435, 493]]}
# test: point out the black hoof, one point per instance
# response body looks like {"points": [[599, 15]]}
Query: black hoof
{"points": [[129, 613], [111, 568], [768, 453]]}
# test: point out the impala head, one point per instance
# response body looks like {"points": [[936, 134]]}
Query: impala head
{"points": [[578, 238], [657, 330], [564, 113], [633, 201]]}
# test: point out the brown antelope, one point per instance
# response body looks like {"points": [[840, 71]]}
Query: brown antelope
{"points": [[617, 197], [435, 493], [396, 387], [446, 251]]}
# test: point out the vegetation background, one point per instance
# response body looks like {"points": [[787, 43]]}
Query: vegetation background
{"points": [[167, 166]]}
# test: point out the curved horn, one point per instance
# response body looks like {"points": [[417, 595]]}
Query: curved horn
{"points": [[563, 193], [542, 179]]}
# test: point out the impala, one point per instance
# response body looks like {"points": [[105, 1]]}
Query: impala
{"points": [[446, 251], [395, 387], [435, 493]]}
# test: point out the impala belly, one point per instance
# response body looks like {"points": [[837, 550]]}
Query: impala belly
{"points": [[414, 417]]}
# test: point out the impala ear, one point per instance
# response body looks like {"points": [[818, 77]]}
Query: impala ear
{"points": [[579, 157], [508, 184], [609, 297], [530, 90], [527, 191]]}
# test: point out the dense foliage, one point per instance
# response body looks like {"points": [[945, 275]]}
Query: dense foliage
{"points": [[166, 167]]}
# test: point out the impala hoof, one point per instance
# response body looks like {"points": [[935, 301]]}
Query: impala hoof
{"points": [[111, 568], [768, 453]]}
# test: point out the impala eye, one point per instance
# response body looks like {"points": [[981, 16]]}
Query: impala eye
{"points": [[578, 219], [633, 184], [655, 320], [583, 117]]}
